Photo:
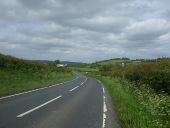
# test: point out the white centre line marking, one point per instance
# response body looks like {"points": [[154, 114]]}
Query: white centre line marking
{"points": [[83, 82], [25, 113], [73, 89], [104, 108]]}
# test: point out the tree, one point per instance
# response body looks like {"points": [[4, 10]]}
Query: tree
{"points": [[56, 62]]}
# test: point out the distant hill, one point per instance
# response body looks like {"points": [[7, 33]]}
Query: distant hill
{"points": [[128, 61], [72, 63], [113, 61], [62, 62], [44, 61]]}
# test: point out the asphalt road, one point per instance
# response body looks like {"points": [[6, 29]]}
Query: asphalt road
{"points": [[81, 103]]}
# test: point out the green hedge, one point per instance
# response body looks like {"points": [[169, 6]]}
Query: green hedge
{"points": [[155, 74]]}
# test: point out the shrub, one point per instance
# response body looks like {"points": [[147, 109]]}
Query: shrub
{"points": [[156, 74]]}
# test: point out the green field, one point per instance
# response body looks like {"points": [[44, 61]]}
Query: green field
{"points": [[114, 62], [85, 69], [17, 75]]}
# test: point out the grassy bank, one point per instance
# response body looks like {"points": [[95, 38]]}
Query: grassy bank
{"points": [[138, 107], [140, 91], [17, 75]]}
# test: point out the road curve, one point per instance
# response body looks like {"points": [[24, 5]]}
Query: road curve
{"points": [[82, 103]]}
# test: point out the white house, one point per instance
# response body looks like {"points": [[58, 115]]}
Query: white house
{"points": [[61, 65]]}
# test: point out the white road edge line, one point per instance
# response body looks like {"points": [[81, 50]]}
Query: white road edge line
{"points": [[25, 113], [37, 89], [104, 108], [73, 89], [104, 105], [99, 81]]}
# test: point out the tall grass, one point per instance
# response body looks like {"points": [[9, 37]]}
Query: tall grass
{"points": [[138, 107]]}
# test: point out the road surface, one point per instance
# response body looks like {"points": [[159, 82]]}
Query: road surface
{"points": [[81, 103]]}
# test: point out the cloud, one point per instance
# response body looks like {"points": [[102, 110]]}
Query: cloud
{"points": [[84, 30], [147, 30]]}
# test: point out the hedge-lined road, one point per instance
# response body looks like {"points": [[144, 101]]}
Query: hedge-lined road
{"points": [[81, 103]]}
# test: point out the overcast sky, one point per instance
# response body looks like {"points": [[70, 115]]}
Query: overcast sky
{"points": [[85, 30]]}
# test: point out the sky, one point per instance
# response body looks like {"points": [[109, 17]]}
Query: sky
{"points": [[85, 30]]}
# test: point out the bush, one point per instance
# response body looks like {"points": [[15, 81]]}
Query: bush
{"points": [[155, 74]]}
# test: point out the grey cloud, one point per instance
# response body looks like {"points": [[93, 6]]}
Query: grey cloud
{"points": [[33, 4], [102, 24], [147, 30], [87, 30]]}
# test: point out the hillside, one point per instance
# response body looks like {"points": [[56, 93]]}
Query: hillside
{"points": [[19, 75], [129, 61], [73, 63], [62, 62]]}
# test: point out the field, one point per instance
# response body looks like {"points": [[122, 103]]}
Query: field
{"points": [[85, 69], [140, 91], [17, 75]]}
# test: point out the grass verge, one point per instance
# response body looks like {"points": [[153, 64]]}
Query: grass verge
{"points": [[138, 108], [15, 81]]}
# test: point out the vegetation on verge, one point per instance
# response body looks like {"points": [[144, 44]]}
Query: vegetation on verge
{"points": [[138, 107], [155, 74], [18, 75], [140, 91]]}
